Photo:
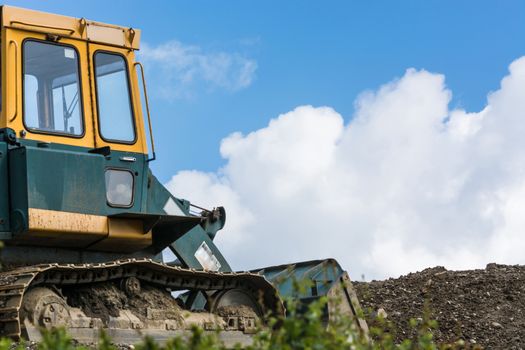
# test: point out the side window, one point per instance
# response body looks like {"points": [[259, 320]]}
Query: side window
{"points": [[51, 89], [114, 101]]}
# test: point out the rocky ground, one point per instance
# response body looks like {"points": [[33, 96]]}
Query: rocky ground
{"points": [[484, 307]]}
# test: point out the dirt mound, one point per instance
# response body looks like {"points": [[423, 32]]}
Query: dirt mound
{"points": [[484, 307]]}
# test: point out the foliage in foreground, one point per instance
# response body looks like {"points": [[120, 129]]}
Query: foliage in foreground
{"points": [[299, 331]]}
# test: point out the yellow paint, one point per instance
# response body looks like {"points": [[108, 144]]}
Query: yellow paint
{"points": [[66, 222], [65, 229], [140, 146], [62, 229], [125, 235], [86, 37], [75, 28]]}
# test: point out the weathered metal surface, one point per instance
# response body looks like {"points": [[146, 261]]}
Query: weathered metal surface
{"points": [[78, 28], [318, 278], [124, 235], [66, 222], [4, 189], [22, 317], [15, 256], [54, 179], [67, 207]]}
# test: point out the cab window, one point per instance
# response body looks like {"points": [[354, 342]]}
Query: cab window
{"points": [[51, 89], [114, 103]]}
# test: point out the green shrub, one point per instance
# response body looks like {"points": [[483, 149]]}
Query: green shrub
{"points": [[298, 331]]}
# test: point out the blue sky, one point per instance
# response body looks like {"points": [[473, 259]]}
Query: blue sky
{"points": [[417, 160], [306, 52]]}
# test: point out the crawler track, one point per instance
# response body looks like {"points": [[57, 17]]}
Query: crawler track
{"points": [[15, 284]]}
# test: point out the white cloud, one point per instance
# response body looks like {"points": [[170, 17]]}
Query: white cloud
{"points": [[407, 184], [179, 70]]}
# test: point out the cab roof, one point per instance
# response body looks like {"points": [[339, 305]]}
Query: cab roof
{"points": [[70, 27]]}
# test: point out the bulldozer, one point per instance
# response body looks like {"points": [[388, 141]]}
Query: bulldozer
{"points": [[84, 221]]}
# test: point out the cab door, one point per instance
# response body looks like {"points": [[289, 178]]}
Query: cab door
{"points": [[119, 126], [46, 95]]}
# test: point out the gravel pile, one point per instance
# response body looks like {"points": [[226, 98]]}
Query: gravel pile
{"points": [[484, 307]]}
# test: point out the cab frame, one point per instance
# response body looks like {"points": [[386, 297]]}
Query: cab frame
{"points": [[87, 38]]}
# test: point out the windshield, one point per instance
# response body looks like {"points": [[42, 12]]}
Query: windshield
{"points": [[114, 102], [51, 88]]}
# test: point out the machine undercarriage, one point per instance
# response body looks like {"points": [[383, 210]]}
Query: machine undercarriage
{"points": [[131, 299]]}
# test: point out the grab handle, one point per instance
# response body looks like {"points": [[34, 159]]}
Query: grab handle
{"points": [[147, 111], [16, 80]]}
